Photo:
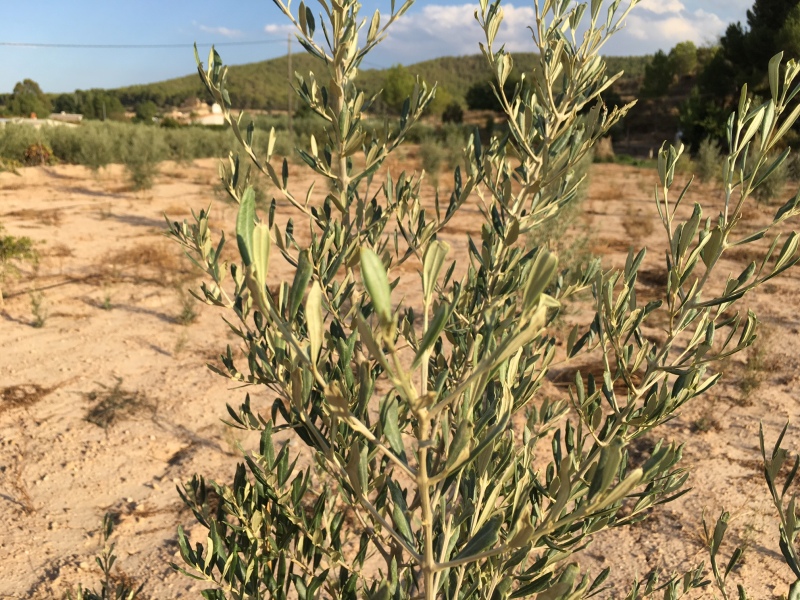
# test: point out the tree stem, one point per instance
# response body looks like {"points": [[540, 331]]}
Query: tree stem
{"points": [[423, 484]]}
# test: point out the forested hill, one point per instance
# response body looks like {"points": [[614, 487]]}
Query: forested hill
{"points": [[262, 85]]}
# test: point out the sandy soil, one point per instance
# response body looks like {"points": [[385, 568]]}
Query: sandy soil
{"points": [[108, 405]]}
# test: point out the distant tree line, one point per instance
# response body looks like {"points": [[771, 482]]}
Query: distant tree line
{"points": [[463, 83], [92, 104], [28, 99]]}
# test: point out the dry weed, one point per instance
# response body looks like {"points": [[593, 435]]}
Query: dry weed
{"points": [[14, 482], [154, 263], [756, 366], [609, 247], [112, 404], [49, 217], [637, 225], [176, 174], [15, 184], [23, 395], [606, 193], [177, 209], [707, 421], [11, 474], [59, 250]]}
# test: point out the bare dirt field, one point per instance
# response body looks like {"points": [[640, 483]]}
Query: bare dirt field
{"points": [[108, 405]]}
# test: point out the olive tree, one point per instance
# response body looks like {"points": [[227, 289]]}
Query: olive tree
{"points": [[437, 469]]}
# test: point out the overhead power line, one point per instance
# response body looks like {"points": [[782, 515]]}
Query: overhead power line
{"points": [[129, 46], [155, 46]]}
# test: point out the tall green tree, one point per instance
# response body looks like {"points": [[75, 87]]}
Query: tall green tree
{"points": [[397, 86], [658, 75], [65, 103], [789, 34], [482, 96], [29, 99], [746, 49], [764, 19], [683, 59], [99, 104], [771, 26], [146, 111]]}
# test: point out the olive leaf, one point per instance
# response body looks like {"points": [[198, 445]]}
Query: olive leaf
{"points": [[376, 282]]}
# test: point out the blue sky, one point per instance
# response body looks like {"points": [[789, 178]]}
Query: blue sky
{"points": [[432, 28]]}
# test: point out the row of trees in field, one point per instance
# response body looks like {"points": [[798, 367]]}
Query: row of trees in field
{"points": [[28, 99]]}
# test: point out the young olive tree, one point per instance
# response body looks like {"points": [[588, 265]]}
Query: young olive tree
{"points": [[13, 251], [438, 472]]}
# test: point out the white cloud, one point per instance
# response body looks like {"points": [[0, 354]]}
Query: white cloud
{"points": [[273, 29], [647, 31], [223, 31], [438, 30], [661, 7]]}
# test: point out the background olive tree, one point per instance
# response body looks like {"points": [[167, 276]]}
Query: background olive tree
{"points": [[14, 251], [437, 469]]}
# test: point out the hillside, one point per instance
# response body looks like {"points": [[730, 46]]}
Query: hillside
{"points": [[254, 85], [262, 85]]}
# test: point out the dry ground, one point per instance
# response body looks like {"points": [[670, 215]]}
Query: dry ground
{"points": [[108, 405]]}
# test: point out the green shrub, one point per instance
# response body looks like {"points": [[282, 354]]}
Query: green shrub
{"points": [[285, 145], [793, 167], [146, 112], [420, 133], [772, 187], [310, 125], [431, 155], [38, 310], [13, 252], [454, 138], [182, 144], [439, 470], [453, 113], [171, 123], [141, 153], [16, 139], [708, 162], [188, 143], [9, 165], [112, 587], [96, 145], [65, 144]]}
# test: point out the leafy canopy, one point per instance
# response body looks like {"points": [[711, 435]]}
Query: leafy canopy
{"points": [[28, 99]]}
